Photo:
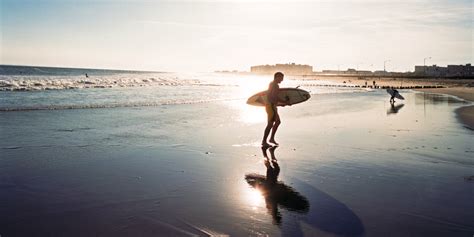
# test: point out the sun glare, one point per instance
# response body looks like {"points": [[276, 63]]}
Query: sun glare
{"points": [[254, 197], [249, 86]]}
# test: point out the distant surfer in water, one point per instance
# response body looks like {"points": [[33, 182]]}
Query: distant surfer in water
{"points": [[273, 119], [395, 92]]}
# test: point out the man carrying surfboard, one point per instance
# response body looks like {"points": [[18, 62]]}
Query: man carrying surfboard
{"points": [[273, 118], [393, 94]]}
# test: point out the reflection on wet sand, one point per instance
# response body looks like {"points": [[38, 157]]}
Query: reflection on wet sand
{"points": [[394, 108], [429, 98], [312, 206], [276, 193]]}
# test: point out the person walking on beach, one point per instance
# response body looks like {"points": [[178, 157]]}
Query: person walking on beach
{"points": [[273, 118], [392, 98]]}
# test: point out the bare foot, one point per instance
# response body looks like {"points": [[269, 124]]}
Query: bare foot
{"points": [[274, 142], [264, 144]]}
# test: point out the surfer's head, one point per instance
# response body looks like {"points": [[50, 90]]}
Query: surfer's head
{"points": [[278, 77]]}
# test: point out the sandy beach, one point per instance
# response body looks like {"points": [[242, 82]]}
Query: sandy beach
{"points": [[394, 81], [465, 114], [155, 118], [349, 164], [466, 93], [462, 88]]}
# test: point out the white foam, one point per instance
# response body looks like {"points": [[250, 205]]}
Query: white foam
{"points": [[33, 83]]}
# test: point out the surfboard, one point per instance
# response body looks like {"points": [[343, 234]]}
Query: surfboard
{"points": [[396, 95], [290, 96]]}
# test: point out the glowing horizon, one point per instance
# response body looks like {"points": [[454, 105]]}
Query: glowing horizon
{"points": [[223, 35]]}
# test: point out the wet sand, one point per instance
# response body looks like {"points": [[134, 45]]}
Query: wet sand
{"points": [[394, 82], [349, 164], [465, 114], [461, 88], [466, 93]]}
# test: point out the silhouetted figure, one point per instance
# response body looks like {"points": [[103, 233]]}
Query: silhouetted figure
{"points": [[373, 83], [392, 98], [273, 118], [316, 209], [276, 194], [87, 75]]}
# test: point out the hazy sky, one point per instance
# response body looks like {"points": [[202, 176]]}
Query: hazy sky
{"points": [[216, 35]]}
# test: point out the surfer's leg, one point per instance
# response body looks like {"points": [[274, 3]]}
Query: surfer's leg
{"points": [[270, 120], [275, 127], [266, 133]]}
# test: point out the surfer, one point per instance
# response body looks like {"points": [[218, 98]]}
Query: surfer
{"points": [[273, 118], [395, 92]]}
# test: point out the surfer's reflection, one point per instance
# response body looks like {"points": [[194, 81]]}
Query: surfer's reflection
{"points": [[394, 108], [276, 194]]}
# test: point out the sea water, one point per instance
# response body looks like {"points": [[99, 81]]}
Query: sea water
{"points": [[33, 88]]}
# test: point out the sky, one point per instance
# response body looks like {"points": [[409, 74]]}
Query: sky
{"points": [[201, 36]]}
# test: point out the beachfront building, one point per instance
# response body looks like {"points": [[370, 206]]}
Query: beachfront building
{"points": [[349, 71], [288, 69], [449, 71], [461, 70]]}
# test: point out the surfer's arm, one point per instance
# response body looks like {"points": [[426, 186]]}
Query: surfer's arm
{"points": [[273, 94], [279, 101]]}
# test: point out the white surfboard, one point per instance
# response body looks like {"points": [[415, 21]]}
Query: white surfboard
{"points": [[286, 96], [395, 94]]}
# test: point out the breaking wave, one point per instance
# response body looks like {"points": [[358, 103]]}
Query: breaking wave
{"points": [[38, 83]]}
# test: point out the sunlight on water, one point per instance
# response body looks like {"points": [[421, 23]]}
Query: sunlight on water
{"points": [[247, 113], [251, 114], [253, 197]]}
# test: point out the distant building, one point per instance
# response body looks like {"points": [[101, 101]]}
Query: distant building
{"points": [[349, 71], [289, 69], [332, 72], [449, 71], [461, 70]]}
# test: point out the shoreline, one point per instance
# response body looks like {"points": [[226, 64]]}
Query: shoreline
{"points": [[464, 114], [398, 82], [461, 88]]}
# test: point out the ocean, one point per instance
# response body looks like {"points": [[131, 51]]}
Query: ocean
{"points": [[68, 88]]}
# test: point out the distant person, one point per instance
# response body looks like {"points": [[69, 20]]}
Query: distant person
{"points": [[273, 118], [392, 99], [373, 83], [87, 76]]}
